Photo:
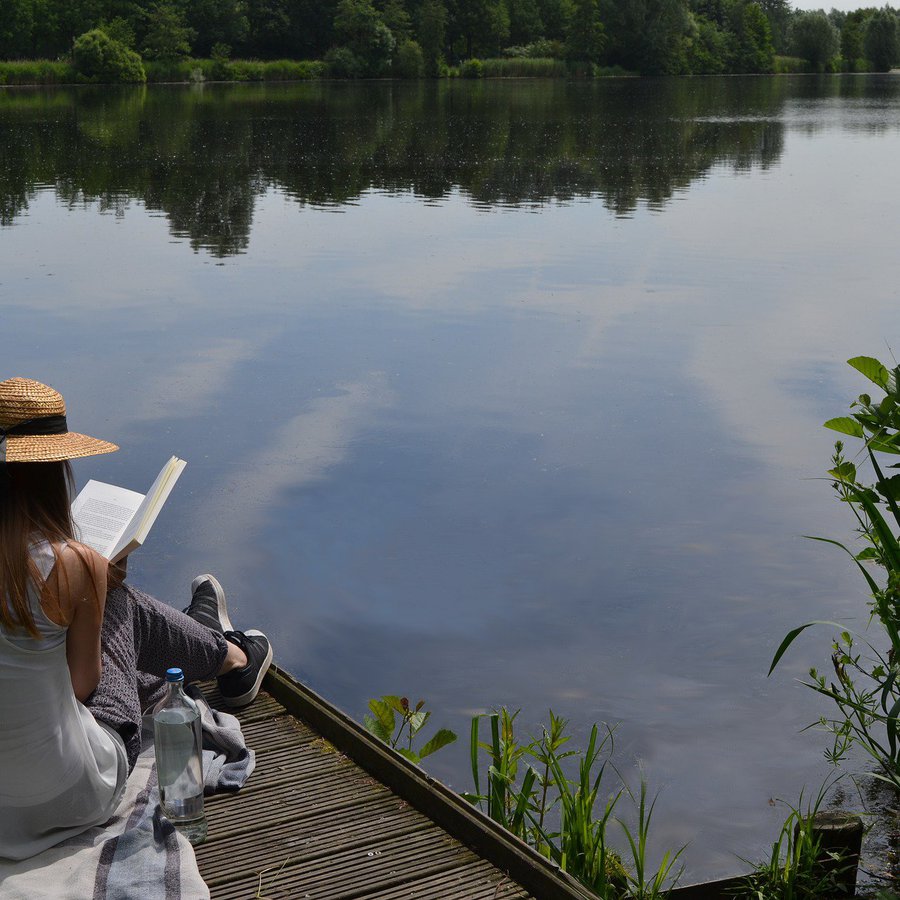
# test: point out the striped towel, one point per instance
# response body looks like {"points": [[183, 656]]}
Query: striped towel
{"points": [[136, 854]]}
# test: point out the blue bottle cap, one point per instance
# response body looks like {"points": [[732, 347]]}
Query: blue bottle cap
{"points": [[174, 674]]}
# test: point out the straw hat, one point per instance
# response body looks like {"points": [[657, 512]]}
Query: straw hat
{"points": [[33, 425]]}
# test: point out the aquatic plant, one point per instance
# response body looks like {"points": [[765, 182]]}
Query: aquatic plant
{"points": [[383, 723], [795, 868], [865, 687], [566, 818]]}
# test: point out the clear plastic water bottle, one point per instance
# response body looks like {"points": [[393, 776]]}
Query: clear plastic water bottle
{"points": [[179, 759]]}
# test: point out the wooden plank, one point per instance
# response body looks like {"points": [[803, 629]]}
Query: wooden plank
{"points": [[312, 823], [438, 802]]}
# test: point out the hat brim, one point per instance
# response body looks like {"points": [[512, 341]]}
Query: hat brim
{"points": [[54, 447]]}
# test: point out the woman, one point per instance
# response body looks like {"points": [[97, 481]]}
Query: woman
{"points": [[82, 653]]}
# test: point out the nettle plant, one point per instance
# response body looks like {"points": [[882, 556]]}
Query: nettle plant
{"points": [[865, 682], [398, 724]]}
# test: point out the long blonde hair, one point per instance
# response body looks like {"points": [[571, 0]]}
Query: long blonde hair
{"points": [[35, 504]]}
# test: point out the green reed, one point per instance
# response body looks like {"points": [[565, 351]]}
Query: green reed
{"points": [[37, 71], [794, 869], [523, 67], [526, 787]]}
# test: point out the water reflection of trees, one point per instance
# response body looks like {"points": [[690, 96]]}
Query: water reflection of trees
{"points": [[203, 155]]}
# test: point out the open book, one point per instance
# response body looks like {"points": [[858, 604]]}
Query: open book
{"points": [[115, 521]]}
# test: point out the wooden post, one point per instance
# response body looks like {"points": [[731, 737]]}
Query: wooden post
{"points": [[839, 834]]}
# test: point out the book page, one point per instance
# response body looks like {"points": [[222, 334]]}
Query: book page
{"points": [[135, 532], [102, 513]]}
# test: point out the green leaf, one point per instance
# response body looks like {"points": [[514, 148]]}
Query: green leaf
{"points": [[373, 726], [889, 487], [789, 639], [844, 471], [394, 702], [868, 553], [884, 444], [443, 737], [473, 752], [846, 425], [889, 546], [872, 369], [411, 755], [384, 715], [417, 720]]}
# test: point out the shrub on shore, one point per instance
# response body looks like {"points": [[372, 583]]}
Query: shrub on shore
{"points": [[99, 58]]}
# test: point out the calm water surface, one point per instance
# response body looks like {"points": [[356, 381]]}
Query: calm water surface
{"points": [[491, 393]]}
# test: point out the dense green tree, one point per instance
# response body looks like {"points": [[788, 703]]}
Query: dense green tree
{"points": [[813, 38], [395, 15], [881, 40], [268, 29], [477, 27], [408, 61], [312, 27], [707, 51], [753, 51], [359, 28], [778, 13], [59, 22], [217, 22], [16, 25], [586, 36], [431, 28], [166, 36], [555, 15], [120, 29], [525, 23], [853, 33], [714, 11], [666, 31]]}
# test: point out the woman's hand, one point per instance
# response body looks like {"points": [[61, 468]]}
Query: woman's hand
{"points": [[118, 571]]}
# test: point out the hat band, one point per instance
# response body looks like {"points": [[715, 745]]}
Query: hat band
{"points": [[41, 426]]}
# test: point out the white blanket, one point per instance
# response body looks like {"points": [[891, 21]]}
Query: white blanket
{"points": [[136, 854]]}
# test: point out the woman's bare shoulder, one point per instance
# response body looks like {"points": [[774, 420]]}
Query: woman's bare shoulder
{"points": [[79, 571]]}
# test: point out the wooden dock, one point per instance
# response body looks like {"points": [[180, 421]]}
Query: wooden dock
{"points": [[330, 812]]}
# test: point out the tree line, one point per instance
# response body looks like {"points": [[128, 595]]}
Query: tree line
{"points": [[427, 37], [433, 139]]}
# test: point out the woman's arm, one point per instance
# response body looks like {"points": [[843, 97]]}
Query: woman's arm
{"points": [[77, 587]]}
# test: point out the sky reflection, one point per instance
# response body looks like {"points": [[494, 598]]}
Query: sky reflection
{"points": [[444, 445]]}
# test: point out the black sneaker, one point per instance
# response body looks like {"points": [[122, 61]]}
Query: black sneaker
{"points": [[240, 686], [208, 604]]}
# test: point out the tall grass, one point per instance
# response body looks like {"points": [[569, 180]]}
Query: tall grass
{"points": [[48, 71], [523, 68], [37, 71], [233, 70], [790, 65], [528, 789], [795, 869]]}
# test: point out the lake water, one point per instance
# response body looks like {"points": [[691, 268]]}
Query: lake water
{"points": [[491, 393]]}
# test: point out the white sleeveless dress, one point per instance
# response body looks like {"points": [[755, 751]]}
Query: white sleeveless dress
{"points": [[61, 771]]}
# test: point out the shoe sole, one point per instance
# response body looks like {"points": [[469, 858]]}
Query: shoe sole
{"points": [[221, 606], [248, 697]]}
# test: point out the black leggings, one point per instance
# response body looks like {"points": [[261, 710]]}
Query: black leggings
{"points": [[140, 638]]}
